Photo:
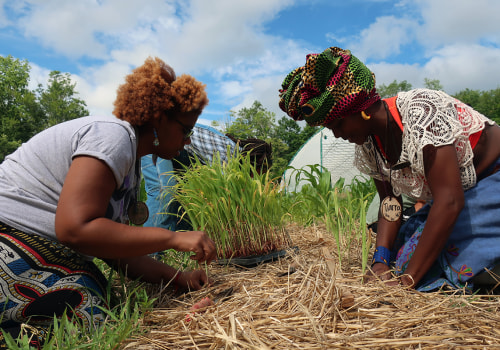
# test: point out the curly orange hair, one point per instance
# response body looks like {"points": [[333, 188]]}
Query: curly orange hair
{"points": [[152, 90]]}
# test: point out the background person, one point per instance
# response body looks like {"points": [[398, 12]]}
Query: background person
{"points": [[159, 177], [67, 195], [205, 143], [423, 143]]}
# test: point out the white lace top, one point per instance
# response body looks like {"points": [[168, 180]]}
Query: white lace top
{"points": [[429, 118]]}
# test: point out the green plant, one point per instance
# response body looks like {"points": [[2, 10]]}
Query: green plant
{"points": [[239, 208], [341, 207], [178, 260]]}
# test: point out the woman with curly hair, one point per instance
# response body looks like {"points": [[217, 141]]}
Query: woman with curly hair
{"points": [[68, 195]]}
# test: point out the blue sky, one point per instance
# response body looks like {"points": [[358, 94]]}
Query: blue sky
{"points": [[243, 49]]}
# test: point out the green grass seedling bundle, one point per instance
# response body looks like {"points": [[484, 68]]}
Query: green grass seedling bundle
{"points": [[240, 209]]}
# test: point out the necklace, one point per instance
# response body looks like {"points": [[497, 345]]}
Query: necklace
{"points": [[390, 208], [137, 211]]}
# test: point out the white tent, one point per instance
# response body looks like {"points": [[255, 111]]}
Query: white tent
{"points": [[323, 148]]}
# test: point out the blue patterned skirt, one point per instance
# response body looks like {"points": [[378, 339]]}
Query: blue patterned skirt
{"points": [[41, 278], [473, 245]]}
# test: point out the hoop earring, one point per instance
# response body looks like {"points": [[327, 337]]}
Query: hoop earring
{"points": [[156, 142], [365, 116]]}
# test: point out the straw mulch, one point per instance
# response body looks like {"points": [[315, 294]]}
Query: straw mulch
{"points": [[306, 301]]}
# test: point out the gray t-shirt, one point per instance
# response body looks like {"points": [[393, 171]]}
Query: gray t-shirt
{"points": [[32, 177]]}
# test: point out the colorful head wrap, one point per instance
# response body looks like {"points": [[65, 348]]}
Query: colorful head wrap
{"points": [[332, 84]]}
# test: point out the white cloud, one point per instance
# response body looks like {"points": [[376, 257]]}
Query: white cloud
{"points": [[459, 21], [260, 78], [223, 38], [204, 121], [87, 27], [264, 90], [38, 75], [219, 33], [460, 41], [386, 73], [225, 44], [465, 66], [98, 85], [457, 67], [384, 37], [232, 88], [4, 21], [192, 35]]}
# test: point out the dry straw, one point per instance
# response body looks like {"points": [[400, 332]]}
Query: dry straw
{"points": [[306, 302]]}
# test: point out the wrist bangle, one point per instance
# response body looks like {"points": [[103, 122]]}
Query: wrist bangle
{"points": [[381, 255]]}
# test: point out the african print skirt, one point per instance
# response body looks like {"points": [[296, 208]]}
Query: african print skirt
{"points": [[473, 244], [41, 278]]}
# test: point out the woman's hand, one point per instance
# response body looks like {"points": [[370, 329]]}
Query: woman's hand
{"points": [[151, 270], [192, 280], [379, 271], [197, 242]]}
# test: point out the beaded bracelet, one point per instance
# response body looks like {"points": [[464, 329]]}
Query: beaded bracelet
{"points": [[381, 255]]}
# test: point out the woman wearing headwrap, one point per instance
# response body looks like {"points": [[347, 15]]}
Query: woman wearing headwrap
{"points": [[422, 143]]}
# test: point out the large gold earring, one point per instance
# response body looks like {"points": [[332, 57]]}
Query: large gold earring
{"points": [[365, 116]]}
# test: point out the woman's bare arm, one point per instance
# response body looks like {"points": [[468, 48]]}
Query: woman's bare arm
{"points": [[80, 221], [386, 232], [443, 177]]}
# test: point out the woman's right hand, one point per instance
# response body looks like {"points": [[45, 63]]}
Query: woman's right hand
{"points": [[197, 242]]}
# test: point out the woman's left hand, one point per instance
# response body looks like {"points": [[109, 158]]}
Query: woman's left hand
{"points": [[151, 270], [378, 271], [192, 280]]}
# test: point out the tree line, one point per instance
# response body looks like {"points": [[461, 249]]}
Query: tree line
{"points": [[25, 112], [485, 102]]}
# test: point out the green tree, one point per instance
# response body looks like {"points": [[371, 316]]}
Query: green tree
{"points": [[255, 121], [433, 84], [58, 101], [393, 88], [16, 100], [7, 146], [285, 136], [485, 102], [470, 97], [290, 132], [23, 112], [258, 122], [490, 104]]}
